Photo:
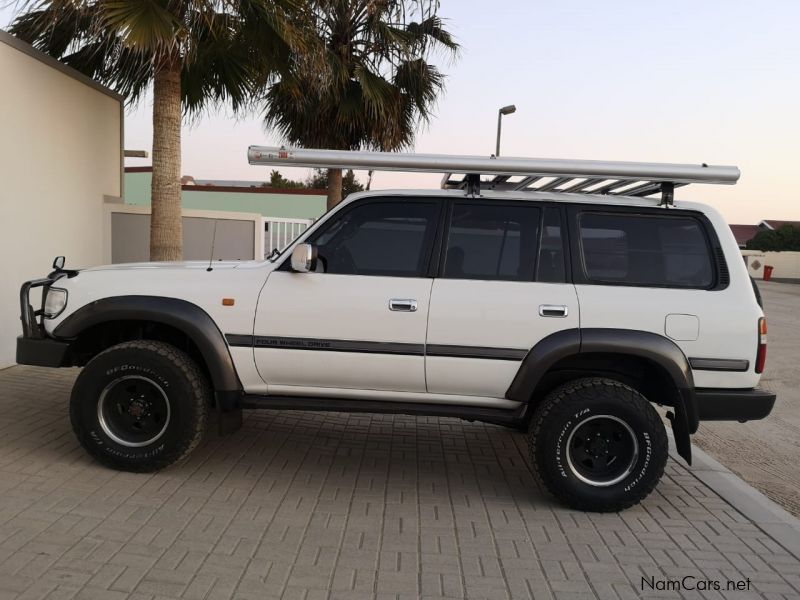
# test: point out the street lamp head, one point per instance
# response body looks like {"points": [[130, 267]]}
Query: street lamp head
{"points": [[506, 110]]}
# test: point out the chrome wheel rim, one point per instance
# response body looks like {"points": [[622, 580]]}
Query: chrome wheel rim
{"points": [[133, 411], [602, 450]]}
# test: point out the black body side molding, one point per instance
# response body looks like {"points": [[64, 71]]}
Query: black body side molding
{"points": [[180, 314], [650, 346]]}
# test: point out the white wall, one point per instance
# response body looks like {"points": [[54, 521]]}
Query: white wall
{"points": [[60, 154], [786, 265], [231, 235]]}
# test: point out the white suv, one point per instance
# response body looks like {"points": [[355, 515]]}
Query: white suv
{"points": [[567, 315]]}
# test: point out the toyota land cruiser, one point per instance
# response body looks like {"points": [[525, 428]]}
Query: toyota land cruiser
{"points": [[558, 297]]}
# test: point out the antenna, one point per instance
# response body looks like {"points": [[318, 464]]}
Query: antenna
{"points": [[213, 241]]}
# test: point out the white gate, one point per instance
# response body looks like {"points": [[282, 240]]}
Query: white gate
{"points": [[280, 232]]}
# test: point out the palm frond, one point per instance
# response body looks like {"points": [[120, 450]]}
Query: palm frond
{"points": [[430, 34], [229, 51], [376, 84], [143, 25]]}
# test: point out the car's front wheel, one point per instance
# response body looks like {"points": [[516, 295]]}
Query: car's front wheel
{"points": [[597, 444], [140, 406]]}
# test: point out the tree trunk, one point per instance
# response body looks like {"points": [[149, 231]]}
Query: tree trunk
{"points": [[166, 227], [334, 187]]}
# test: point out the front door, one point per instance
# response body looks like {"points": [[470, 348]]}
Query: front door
{"points": [[359, 321], [503, 287]]}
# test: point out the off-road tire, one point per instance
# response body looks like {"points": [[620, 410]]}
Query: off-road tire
{"points": [[564, 411], [174, 375]]}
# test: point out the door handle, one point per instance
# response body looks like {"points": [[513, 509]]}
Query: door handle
{"points": [[553, 310], [403, 305]]}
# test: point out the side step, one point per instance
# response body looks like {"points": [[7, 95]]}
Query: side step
{"points": [[497, 416]]}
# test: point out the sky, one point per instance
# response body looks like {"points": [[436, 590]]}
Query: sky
{"points": [[686, 81]]}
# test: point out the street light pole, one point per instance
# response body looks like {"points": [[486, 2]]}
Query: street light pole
{"points": [[506, 110]]}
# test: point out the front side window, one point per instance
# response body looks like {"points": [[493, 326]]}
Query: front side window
{"points": [[492, 241], [645, 250], [387, 238]]}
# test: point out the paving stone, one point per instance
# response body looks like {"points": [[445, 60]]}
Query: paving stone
{"points": [[327, 505]]}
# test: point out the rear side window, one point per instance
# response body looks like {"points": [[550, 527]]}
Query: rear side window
{"points": [[645, 250], [492, 241]]}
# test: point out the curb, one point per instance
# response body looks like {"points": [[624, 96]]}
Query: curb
{"points": [[772, 519]]}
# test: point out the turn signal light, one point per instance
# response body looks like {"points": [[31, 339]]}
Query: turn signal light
{"points": [[761, 355], [228, 302]]}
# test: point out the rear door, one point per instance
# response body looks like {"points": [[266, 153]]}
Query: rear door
{"points": [[502, 287], [664, 271]]}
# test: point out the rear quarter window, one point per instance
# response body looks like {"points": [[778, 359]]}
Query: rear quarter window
{"points": [[645, 250]]}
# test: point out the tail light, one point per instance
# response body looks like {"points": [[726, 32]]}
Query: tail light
{"points": [[761, 355]]}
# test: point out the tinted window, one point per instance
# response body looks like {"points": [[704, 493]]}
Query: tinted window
{"points": [[379, 238], [492, 241], [551, 250], [645, 250]]}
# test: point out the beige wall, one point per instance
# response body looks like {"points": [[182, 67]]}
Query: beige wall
{"points": [[786, 265], [235, 235], [60, 154]]}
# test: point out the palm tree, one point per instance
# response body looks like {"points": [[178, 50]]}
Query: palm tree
{"points": [[376, 85], [196, 54]]}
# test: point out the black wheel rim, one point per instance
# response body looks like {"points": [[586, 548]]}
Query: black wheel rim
{"points": [[602, 450], [133, 411]]}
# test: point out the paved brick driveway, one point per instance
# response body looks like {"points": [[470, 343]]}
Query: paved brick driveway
{"points": [[302, 505]]}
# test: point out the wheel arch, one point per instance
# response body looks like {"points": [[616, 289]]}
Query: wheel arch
{"points": [[151, 317], [650, 362]]}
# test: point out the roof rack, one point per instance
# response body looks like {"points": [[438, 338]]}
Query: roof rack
{"points": [[517, 174]]}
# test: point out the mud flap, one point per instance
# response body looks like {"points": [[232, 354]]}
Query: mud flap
{"points": [[680, 431], [229, 412]]}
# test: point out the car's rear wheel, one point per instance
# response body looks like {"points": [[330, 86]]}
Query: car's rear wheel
{"points": [[140, 406], [597, 444]]}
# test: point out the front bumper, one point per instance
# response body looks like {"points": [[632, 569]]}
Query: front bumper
{"points": [[41, 352], [733, 405]]}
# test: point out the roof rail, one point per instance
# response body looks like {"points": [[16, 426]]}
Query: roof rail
{"points": [[518, 174]]}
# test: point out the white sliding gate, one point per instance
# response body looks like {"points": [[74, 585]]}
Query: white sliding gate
{"points": [[280, 232]]}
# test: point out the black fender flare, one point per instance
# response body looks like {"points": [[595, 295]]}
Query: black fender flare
{"points": [[547, 352], [644, 344], [180, 314]]}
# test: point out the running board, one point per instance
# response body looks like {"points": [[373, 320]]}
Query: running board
{"points": [[497, 416]]}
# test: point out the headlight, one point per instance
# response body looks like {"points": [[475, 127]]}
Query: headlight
{"points": [[55, 303]]}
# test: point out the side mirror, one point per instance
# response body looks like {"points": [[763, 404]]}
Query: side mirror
{"points": [[304, 258], [58, 263]]}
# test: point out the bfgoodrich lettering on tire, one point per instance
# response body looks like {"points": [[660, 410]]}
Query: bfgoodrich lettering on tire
{"points": [[597, 444], [140, 406]]}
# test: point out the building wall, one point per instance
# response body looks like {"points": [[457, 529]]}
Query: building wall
{"points": [[785, 265], [60, 154], [266, 202], [228, 235]]}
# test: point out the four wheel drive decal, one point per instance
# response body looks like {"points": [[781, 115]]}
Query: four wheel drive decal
{"points": [[292, 343]]}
